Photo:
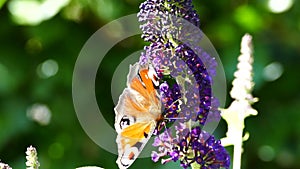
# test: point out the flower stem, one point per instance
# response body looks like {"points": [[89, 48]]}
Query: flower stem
{"points": [[237, 152]]}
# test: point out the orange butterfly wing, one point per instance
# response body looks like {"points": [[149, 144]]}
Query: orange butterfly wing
{"points": [[136, 114], [131, 141]]}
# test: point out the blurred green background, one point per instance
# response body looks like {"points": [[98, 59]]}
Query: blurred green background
{"points": [[41, 39]]}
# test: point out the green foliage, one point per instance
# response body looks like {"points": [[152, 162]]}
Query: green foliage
{"points": [[2, 2], [60, 37]]}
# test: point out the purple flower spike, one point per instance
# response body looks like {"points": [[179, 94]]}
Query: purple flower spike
{"points": [[174, 155], [155, 157], [155, 16], [185, 85], [164, 87], [196, 148]]}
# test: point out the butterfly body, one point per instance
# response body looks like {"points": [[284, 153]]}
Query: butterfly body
{"points": [[137, 113]]}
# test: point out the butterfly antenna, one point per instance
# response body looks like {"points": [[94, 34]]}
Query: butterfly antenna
{"points": [[177, 100], [174, 118], [190, 127]]}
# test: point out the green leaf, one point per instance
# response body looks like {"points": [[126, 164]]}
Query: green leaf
{"points": [[2, 2]]}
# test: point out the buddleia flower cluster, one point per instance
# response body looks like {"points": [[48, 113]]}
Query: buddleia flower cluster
{"points": [[32, 159], [192, 147], [172, 28], [4, 166]]}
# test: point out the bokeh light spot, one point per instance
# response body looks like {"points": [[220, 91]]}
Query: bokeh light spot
{"points": [[273, 71], [104, 8], [266, 153], [56, 150], [33, 46], [248, 18], [116, 31], [279, 6], [73, 11], [285, 159], [39, 113], [47, 69], [32, 12]]}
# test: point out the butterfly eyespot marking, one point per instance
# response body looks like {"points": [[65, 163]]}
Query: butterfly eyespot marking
{"points": [[126, 121]]}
